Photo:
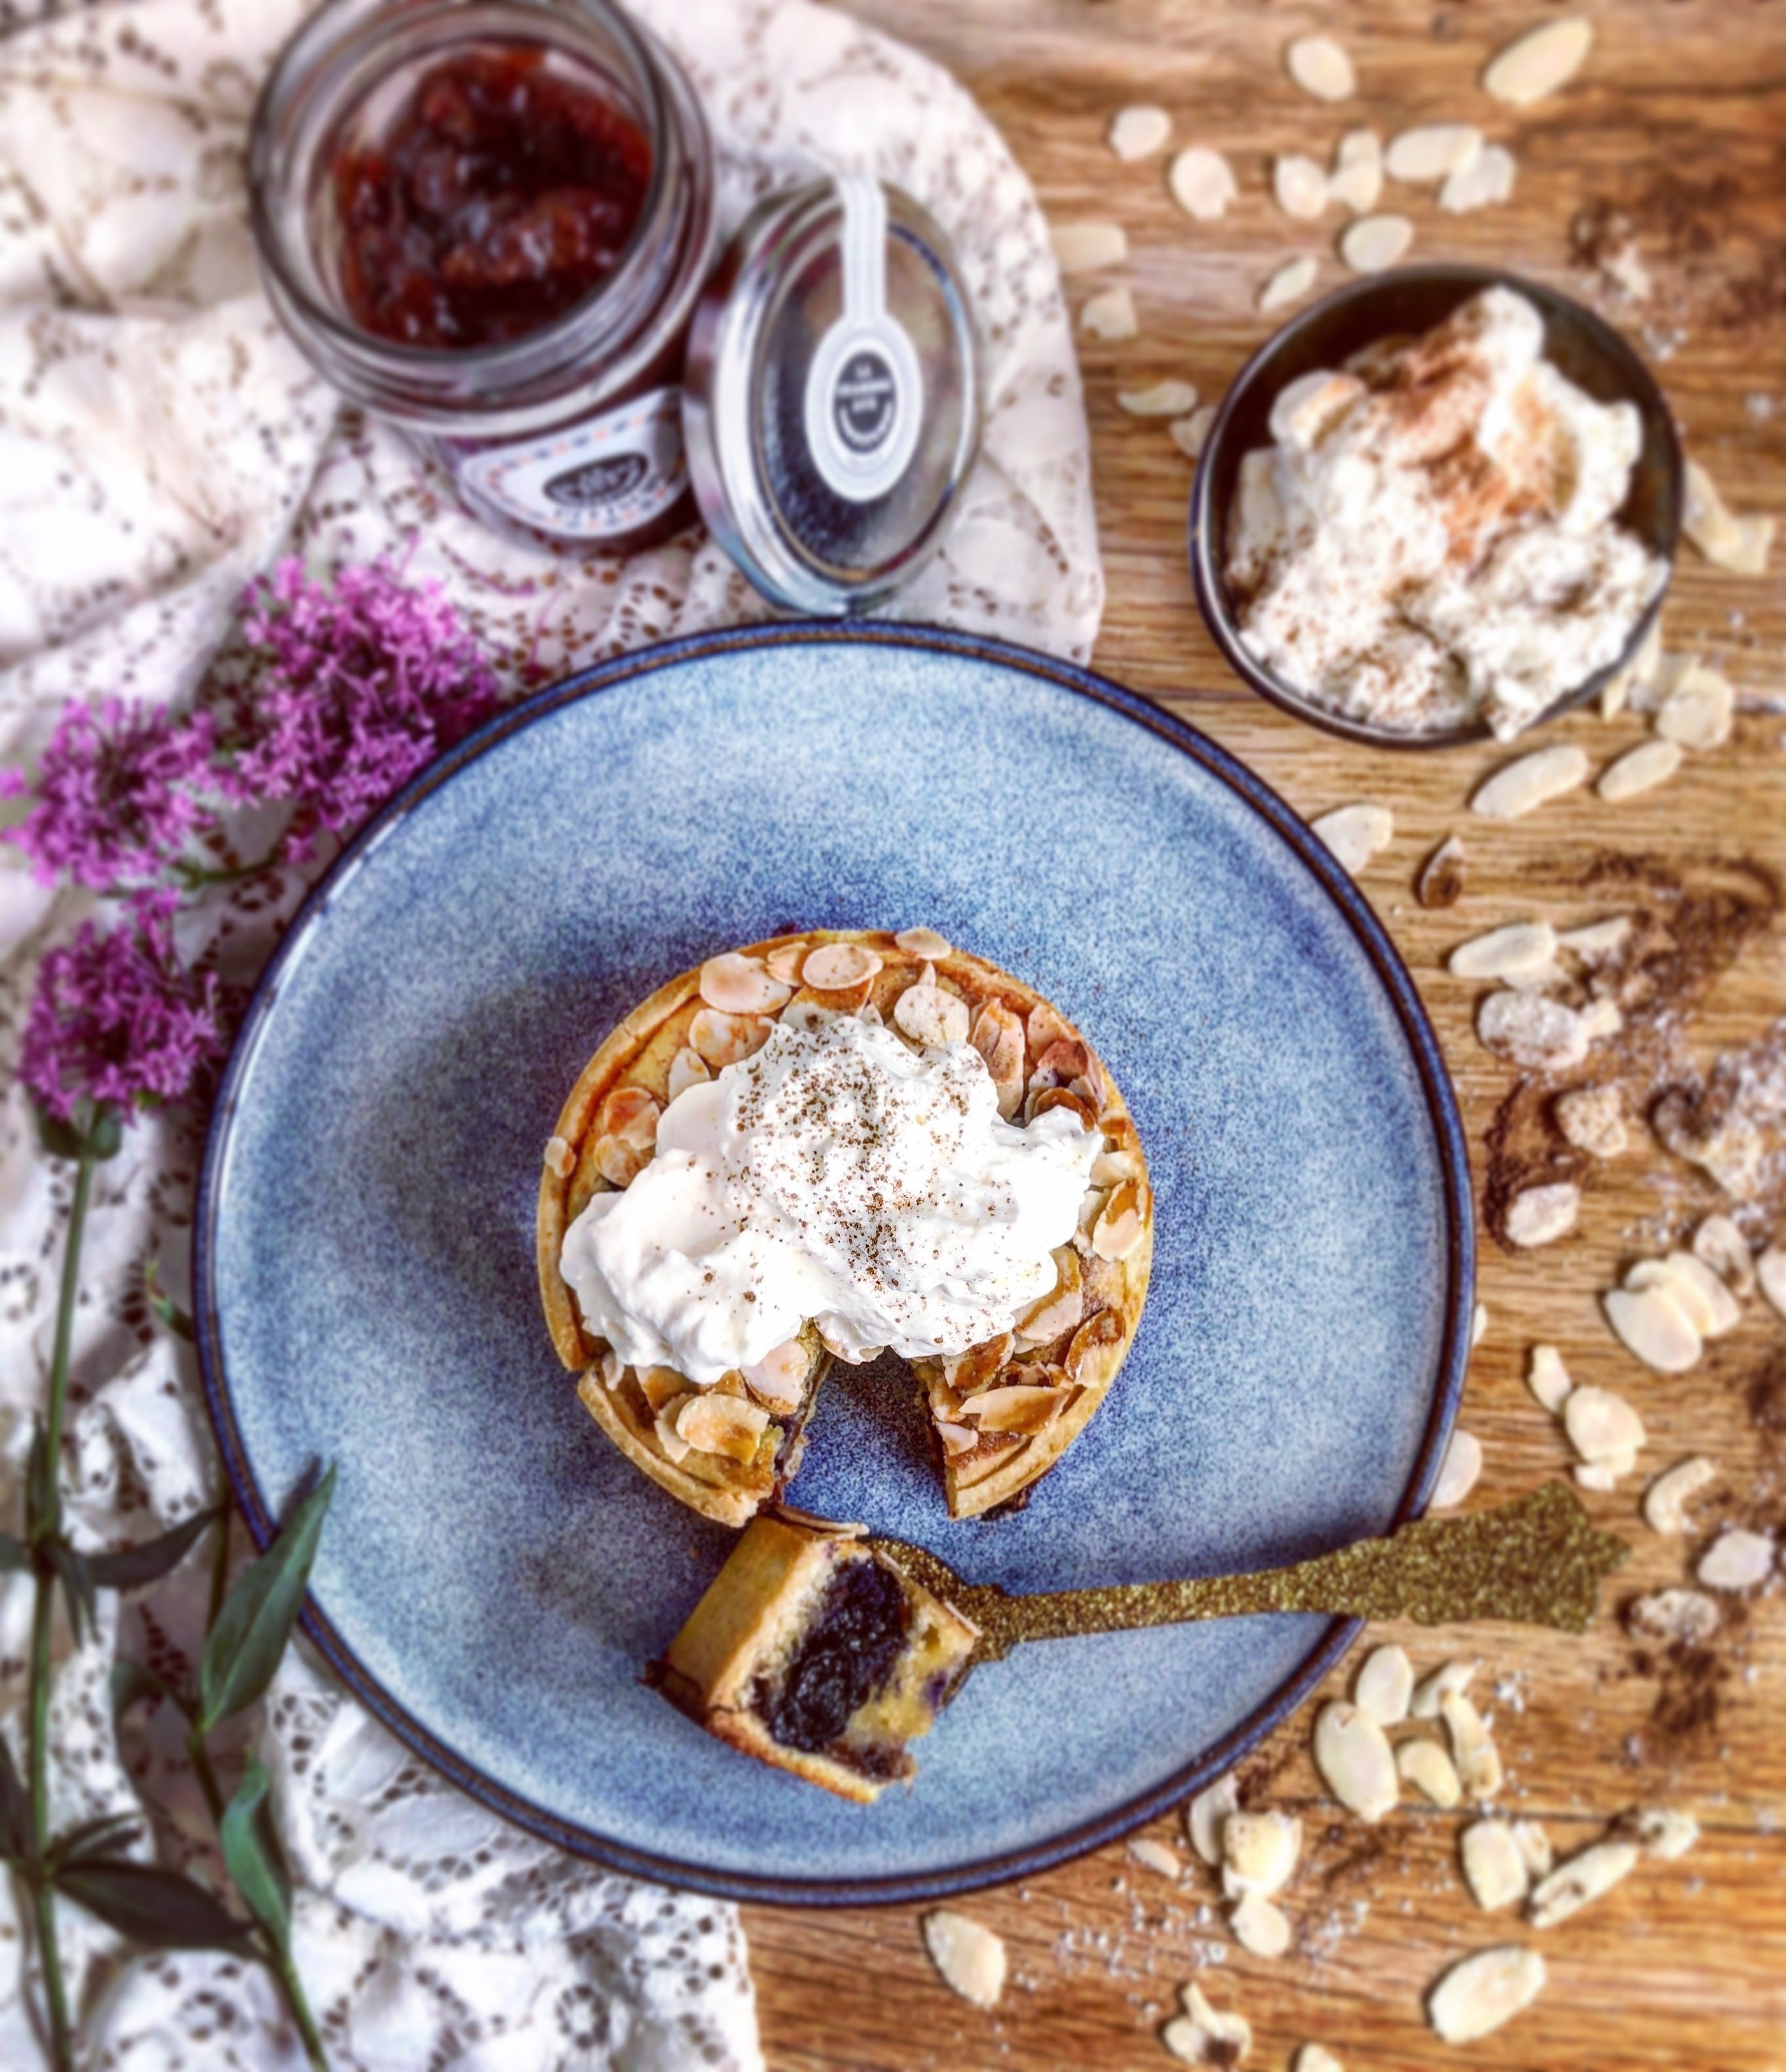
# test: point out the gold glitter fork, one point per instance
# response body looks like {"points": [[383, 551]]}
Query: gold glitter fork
{"points": [[1537, 1561]]}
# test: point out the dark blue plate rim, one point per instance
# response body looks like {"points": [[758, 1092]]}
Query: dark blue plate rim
{"points": [[1442, 1104]]}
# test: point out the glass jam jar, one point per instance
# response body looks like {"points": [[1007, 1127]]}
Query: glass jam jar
{"points": [[488, 221]]}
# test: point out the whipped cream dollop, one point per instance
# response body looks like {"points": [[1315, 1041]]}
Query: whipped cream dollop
{"points": [[1432, 538], [836, 1175]]}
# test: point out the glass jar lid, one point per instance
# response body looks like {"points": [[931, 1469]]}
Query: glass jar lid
{"points": [[832, 407]]}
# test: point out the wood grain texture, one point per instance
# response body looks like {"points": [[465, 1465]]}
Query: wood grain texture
{"points": [[1678, 119]]}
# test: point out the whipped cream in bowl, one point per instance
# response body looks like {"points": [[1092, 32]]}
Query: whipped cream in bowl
{"points": [[838, 1177], [1441, 504]]}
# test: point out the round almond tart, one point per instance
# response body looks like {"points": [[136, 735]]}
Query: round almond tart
{"points": [[1003, 1412]]}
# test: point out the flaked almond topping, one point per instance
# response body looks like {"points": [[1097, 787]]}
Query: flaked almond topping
{"points": [[1300, 185], [1477, 1760], [1084, 248], [785, 963], [1259, 1852], [1478, 1325], [1353, 1755], [1459, 1472], [1442, 876], [610, 1369], [1652, 1324], [1355, 834], [1737, 1560], [1061, 1310], [1666, 1500], [1476, 1997], [1549, 1378], [1091, 1357], [1164, 399], [1601, 1427], [676, 1448], [1494, 1868], [559, 1158], [1290, 282], [1421, 157], [970, 1960], [1425, 1765], [930, 1016], [1486, 181], [957, 1439], [998, 1036], [1770, 1272], [620, 1162], [661, 1386], [689, 1068], [1321, 67], [923, 942], [1710, 1306], [1700, 714], [1520, 788], [1593, 1119], [1199, 2035], [1155, 1856], [721, 1039], [1109, 1167], [1017, 1407], [1659, 1832], [1110, 315], [779, 1378], [1429, 1695], [1385, 1686], [1123, 1222], [1542, 1215], [1373, 243], [838, 967], [1188, 433], [1582, 1878], [1533, 1845], [980, 1365], [1726, 1251], [1259, 1927], [1540, 63], [1522, 949], [631, 1113], [1740, 544], [1685, 1618], [1138, 133], [1639, 770], [737, 985], [1202, 183], [1205, 1816], [717, 1424]]}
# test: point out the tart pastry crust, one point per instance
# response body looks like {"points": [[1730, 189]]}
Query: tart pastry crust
{"points": [[1003, 1412]]}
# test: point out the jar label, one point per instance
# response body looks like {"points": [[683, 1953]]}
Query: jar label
{"points": [[599, 480]]}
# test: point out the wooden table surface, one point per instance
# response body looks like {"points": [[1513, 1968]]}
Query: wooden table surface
{"points": [[1678, 119]]}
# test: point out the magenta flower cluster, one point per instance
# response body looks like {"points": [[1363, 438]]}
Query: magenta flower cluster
{"points": [[349, 692]]}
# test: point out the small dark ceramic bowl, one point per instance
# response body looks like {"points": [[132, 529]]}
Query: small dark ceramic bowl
{"points": [[1586, 348]]}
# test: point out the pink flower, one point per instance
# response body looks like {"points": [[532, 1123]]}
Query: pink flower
{"points": [[362, 686], [117, 1018], [118, 794]]}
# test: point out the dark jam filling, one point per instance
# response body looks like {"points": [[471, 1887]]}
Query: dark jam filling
{"points": [[501, 195], [846, 1657]]}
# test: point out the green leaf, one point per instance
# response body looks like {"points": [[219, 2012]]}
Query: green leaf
{"points": [[14, 1554], [41, 1508], [251, 1850], [242, 1649], [15, 1809], [150, 1904], [132, 1567], [132, 1681], [77, 1585], [167, 1311], [93, 1838]]}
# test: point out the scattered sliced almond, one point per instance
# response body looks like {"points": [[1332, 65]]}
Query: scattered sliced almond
{"points": [[1110, 316], [1355, 834], [1259, 1927], [1700, 714], [1425, 1766], [1385, 1686], [1086, 247], [1595, 1475], [715, 1424], [1460, 1471], [838, 967], [1584, 1877], [558, 1157], [779, 1378], [1770, 1272], [1522, 949], [1018, 1407], [1442, 876], [1300, 185], [1356, 180], [1199, 2035], [1138, 133], [1472, 1750], [1738, 545], [620, 1162], [1520, 788], [1682, 1618], [1494, 1869], [970, 1960], [931, 1016], [1737, 1560], [1290, 282], [1485, 182], [1592, 1119], [676, 1448], [1652, 1324], [1710, 1307], [1541, 1034], [688, 1069], [1202, 183], [1478, 1996], [1542, 1215], [1188, 433], [1639, 770], [1549, 1378], [1321, 67], [924, 943], [1353, 1753], [1429, 1695], [1205, 1816], [1258, 1854], [1726, 1251], [737, 985], [1164, 399], [1315, 2057], [1478, 1325], [1374, 243], [1540, 63], [1533, 1845], [1599, 941], [1601, 1427], [1419, 158], [1659, 1832], [1157, 1857]]}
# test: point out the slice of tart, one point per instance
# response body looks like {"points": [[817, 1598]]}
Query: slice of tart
{"points": [[1001, 1411], [812, 1651]]}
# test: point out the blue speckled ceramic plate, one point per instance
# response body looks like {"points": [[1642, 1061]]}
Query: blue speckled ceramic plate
{"points": [[494, 1575]]}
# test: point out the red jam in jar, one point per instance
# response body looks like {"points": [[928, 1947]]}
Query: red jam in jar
{"points": [[501, 195]]}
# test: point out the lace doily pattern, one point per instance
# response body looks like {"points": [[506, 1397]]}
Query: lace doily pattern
{"points": [[160, 442]]}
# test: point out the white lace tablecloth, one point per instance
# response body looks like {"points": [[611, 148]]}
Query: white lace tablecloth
{"points": [[160, 443]]}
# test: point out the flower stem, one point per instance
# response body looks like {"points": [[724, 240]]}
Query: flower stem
{"points": [[44, 1613]]}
